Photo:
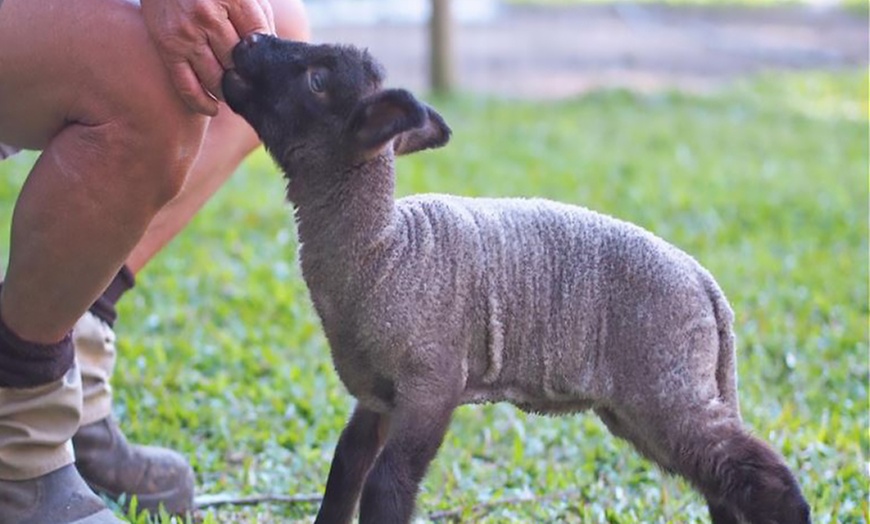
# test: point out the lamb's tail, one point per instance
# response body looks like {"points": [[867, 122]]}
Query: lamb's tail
{"points": [[726, 370]]}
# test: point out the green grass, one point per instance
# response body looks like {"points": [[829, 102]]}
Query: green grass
{"points": [[222, 357]]}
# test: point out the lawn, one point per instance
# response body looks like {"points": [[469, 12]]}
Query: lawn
{"points": [[222, 357]]}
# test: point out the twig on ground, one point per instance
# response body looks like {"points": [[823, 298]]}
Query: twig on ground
{"points": [[485, 507], [227, 499]]}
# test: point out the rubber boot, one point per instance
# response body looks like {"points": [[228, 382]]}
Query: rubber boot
{"points": [[106, 460]]}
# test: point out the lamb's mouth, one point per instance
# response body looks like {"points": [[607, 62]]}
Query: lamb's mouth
{"points": [[236, 88]]}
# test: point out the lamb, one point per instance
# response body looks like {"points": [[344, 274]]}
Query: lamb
{"points": [[433, 301]]}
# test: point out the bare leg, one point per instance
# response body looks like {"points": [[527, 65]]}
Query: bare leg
{"points": [[357, 449], [81, 82], [109, 463], [228, 141], [116, 150]]}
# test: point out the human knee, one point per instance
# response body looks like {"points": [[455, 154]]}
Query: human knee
{"points": [[129, 111], [167, 151], [149, 159]]}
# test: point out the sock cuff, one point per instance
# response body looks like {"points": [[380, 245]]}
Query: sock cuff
{"points": [[104, 307], [25, 364]]}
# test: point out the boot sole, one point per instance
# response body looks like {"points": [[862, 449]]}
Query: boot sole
{"points": [[105, 516], [178, 501]]}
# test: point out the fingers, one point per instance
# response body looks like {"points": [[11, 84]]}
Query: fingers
{"points": [[221, 39], [195, 38], [190, 89], [268, 12], [242, 18], [209, 70], [254, 16]]}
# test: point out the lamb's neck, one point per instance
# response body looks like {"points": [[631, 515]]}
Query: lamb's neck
{"points": [[341, 215]]}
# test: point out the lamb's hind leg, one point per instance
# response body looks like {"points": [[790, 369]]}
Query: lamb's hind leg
{"points": [[738, 474], [620, 427], [720, 514]]}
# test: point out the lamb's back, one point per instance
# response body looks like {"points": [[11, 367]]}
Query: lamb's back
{"points": [[557, 302], [547, 305]]}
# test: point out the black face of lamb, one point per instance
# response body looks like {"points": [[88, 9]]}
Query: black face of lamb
{"points": [[326, 99], [284, 88]]}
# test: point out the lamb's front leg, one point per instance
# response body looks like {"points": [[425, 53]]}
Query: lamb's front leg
{"points": [[357, 448], [415, 434]]}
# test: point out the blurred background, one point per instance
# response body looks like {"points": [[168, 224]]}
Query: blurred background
{"points": [[559, 48]]}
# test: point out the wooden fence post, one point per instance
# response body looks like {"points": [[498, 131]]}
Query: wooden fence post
{"points": [[441, 74]]}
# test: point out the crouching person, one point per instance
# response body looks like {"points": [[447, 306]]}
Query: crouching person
{"points": [[120, 100]]}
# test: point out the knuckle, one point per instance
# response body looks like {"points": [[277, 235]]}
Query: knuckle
{"points": [[206, 15]]}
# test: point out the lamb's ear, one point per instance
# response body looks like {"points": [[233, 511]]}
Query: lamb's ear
{"points": [[379, 118], [432, 134]]}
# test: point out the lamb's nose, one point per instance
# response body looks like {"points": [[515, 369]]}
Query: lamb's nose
{"points": [[251, 40]]}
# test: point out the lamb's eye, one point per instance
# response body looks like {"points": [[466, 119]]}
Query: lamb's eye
{"points": [[316, 81]]}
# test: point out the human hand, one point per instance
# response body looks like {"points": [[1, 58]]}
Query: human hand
{"points": [[195, 39]]}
